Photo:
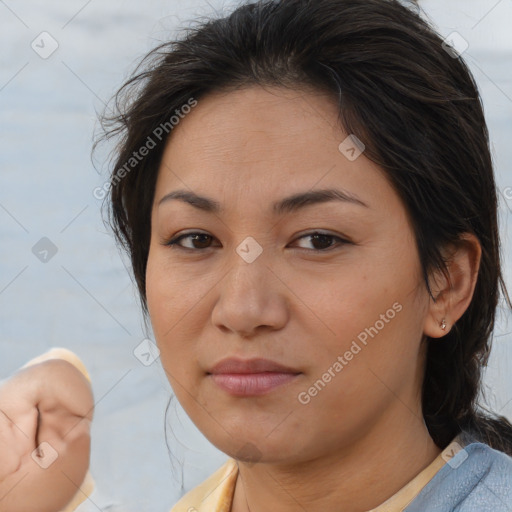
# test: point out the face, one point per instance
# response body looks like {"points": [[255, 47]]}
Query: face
{"points": [[331, 289]]}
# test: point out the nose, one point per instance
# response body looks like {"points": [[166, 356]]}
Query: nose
{"points": [[251, 299]]}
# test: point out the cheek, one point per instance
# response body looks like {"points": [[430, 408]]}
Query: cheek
{"points": [[369, 313], [155, 296], [172, 305], [172, 284], [166, 292], [163, 301]]}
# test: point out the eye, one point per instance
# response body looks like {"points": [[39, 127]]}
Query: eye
{"points": [[196, 237], [323, 240], [200, 241]]}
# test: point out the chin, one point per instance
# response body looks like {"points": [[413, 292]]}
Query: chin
{"points": [[253, 451]]}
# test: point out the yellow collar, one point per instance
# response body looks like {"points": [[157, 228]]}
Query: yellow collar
{"points": [[215, 494]]}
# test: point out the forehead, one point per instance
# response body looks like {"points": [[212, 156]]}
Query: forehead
{"points": [[264, 143], [256, 123]]}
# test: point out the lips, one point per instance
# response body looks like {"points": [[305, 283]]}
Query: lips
{"points": [[251, 377], [240, 366]]}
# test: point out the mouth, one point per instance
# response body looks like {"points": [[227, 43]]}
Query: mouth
{"points": [[251, 377]]}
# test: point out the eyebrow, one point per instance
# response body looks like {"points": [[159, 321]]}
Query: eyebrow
{"points": [[287, 205]]}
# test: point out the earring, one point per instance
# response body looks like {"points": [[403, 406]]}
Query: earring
{"points": [[443, 324]]}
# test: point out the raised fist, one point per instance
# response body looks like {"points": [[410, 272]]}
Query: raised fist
{"points": [[46, 411]]}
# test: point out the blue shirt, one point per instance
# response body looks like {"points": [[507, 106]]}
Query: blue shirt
{"points": [[477, 479]]}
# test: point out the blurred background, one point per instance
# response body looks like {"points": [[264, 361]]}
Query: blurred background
{"points": [[63, 282]]}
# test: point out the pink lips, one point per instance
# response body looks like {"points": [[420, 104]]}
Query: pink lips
{"points": [[250, 377]]}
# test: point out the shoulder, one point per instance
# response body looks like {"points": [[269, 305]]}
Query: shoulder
{"points": [[214, 494], [488, 477], [476, 478]]}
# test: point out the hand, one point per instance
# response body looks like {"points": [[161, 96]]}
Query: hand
{"points": [[45, 416]]}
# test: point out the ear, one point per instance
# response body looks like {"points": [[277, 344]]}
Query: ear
{"points": [[453, 289]]}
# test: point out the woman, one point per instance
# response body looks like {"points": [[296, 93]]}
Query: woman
{"points": [[318, 366], [306, 193]]}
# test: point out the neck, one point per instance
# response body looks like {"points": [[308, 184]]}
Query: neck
{"points": [[357, 478]]}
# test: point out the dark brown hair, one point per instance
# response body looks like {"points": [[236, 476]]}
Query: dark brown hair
{"points": [[414, 105]]}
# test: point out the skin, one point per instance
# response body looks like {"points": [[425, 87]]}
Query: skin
{"points": [[299, 303], [65, 402]]}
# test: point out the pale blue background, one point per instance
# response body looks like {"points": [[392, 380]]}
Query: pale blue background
{"points": [[83, 298]]}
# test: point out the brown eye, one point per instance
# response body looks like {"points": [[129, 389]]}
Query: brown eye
{"points": [[323, 241], [198, 241]]}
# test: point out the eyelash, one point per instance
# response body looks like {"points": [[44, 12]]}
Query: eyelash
{"points": [[173, 242]]}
